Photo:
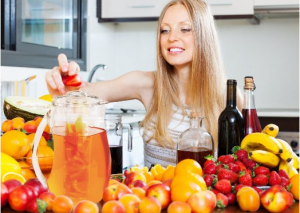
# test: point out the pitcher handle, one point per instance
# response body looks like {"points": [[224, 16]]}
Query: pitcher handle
{"points": [[129, 128], [36, 142]]}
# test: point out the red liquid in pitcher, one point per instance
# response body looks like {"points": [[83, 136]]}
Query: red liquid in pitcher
{"points": [[196, 153], [251, 121], [81, 164]]}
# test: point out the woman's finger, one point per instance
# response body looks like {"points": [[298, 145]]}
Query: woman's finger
{"points": [[73, 68], [49, 79], [56, 76], [63, 63]]}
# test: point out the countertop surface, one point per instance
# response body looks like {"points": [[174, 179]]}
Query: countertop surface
{"points": [[229, 209]]}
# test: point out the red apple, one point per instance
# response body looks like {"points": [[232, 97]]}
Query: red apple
{"points": [[36, 185], [161, 192], [4, 195], [18, 198], [115, 191], [276, 199], [137, 183], [11, 184]]}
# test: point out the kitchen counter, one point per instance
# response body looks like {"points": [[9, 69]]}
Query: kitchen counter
{"points": [[230, 209]]}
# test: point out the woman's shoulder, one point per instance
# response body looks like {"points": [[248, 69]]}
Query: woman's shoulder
{"points": [[143, 78]]}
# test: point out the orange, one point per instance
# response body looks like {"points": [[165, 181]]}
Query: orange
{"points": [[26, 172], [169, 173], [130, 202], [179, 207], [45, 157], [139, 169], [182, 191], [13, 175], [189, 177], [157, 171], [248, 199], [18, 124], [149, 204], [295, 186], [43, 141], [188, 165], [15, 144], [148, 176], [18, 119]]}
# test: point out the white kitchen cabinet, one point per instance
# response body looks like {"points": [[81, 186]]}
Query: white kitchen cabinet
{"points": [[231, 7], [276, 3]]}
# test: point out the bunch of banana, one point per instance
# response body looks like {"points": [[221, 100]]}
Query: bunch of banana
{"points": [[267, 150]]}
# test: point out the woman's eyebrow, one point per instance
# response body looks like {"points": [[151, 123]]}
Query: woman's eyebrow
{"points": [[182, 22]]}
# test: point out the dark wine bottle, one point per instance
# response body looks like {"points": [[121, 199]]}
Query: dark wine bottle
{"points": [[251, 121], [231, 129]]}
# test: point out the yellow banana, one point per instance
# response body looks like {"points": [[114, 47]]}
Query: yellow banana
{"points": [[293, 172], [271, 129], [286, 166], [296, 160], [261, 141], [264, 157], [286, 150]]}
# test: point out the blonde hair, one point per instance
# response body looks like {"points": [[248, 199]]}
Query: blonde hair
{"points": [[207, 77]]}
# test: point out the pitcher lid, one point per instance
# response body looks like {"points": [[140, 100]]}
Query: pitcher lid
{"points": [[77, 98]]}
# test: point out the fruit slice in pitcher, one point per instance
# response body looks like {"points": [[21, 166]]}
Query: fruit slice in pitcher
{"points": [[80, 126]]}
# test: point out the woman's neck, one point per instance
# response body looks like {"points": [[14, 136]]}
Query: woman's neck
{"points": [[182, 78]]}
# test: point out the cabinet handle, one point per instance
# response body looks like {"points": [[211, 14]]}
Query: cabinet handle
{"points": [[219, 2], [143, 6]]}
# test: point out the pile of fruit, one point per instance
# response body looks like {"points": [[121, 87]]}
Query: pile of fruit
{"points": [[16, 149], [33, 197]]}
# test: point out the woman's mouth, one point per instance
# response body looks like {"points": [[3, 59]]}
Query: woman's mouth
{"points": [[175, 50]]}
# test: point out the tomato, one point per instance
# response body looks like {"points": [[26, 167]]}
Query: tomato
{"points": [[73, 80], [18, 198]]}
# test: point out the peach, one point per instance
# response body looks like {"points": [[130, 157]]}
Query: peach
{"points": [[153, 182], [139, 192], [179, 207], [114, 192], [86, 206], [113, 181], [203, 201], [113, 206], [161, 192], [131, 203], [18, 119], [167, 182], [137, 183], [7, 126], [132, 176], [149, 204], [48, 197]]}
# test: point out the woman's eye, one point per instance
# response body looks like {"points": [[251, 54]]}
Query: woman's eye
{"points": [[164, 31], [186, 30]]}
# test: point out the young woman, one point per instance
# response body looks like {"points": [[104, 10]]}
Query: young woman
{"points": [[189, 77]]}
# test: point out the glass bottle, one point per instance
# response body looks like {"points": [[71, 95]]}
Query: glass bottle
{"points": [[231, 123], [251, 121], [195, 142]]}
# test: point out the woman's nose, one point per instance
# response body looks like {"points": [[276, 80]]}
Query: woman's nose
{"points": [[174, 35]]}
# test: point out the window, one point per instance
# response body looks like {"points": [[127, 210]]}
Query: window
{"points": [[34, 32]]}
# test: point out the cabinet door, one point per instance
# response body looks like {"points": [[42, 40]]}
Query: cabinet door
{"points": [[231, 7], [132, 8], [276, 3]]}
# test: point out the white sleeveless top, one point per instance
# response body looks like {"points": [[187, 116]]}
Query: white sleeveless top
{"points": [[156, 154]]}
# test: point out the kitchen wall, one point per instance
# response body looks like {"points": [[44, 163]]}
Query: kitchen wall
{"points": [[269, 52]]}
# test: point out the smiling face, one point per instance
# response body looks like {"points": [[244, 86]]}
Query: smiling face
{"points": [[176, 36]]}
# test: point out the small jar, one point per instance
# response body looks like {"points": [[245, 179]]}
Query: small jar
{"points": [[195, 142]]}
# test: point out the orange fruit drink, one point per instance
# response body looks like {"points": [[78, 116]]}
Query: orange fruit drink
{"points": [[81, 165]]}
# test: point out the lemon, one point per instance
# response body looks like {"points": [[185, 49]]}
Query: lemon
{"points": [[47, 97], [13, 175], [8, 164], [15, 144]]}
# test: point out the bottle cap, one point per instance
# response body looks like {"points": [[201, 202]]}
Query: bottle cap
{"points": [[249, 83], [195, 115], [231, 82]]}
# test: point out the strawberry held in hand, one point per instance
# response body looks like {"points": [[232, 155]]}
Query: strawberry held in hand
{"points": [[71, 80]]}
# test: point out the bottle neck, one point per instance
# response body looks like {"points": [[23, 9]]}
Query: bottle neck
{"points": [[249, 102], [231, 96], [194, 123]]}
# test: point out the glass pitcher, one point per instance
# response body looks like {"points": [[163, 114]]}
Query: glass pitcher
{"points": [[81, 163]]}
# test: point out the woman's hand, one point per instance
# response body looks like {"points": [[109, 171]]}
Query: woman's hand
{"points": [[54, 79]]}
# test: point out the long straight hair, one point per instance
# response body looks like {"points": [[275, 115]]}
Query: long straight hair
{"points": [[207, 78]]}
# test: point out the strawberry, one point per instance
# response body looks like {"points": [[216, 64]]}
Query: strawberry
{"points": [[233, 167], [260, 180], [209, 159], [284, 181], [231, 198], [245, 178], [209, 179], [241, 165], [223, 186], [283, 173], [222, 200], [219, 166], [240, 153], [261, 170], [225, 159], [227, 174], [238, 187], [259, 191], [274, 179], [36, 206], [73, 80], [215, 191], [250, 164], [210, 169]]}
